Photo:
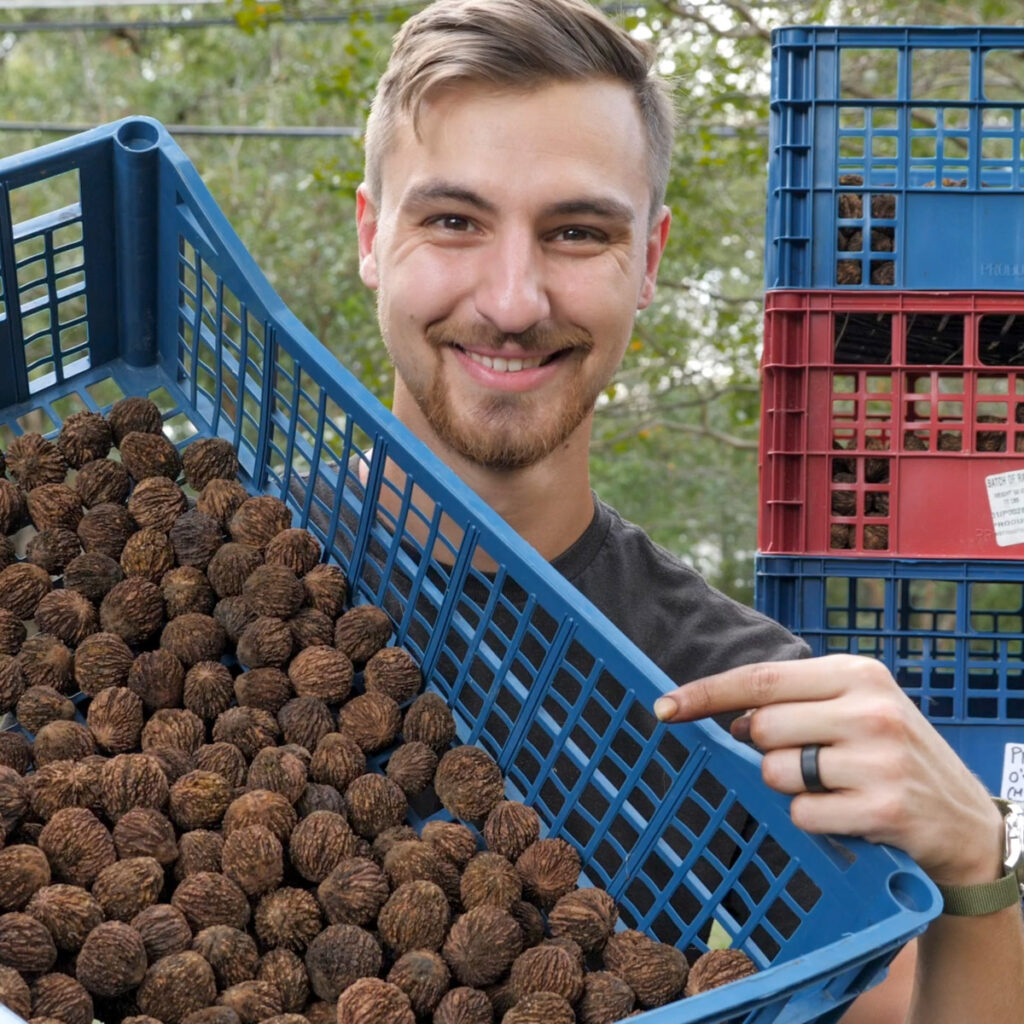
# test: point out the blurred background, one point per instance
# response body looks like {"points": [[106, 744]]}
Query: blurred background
{"points": [[268, 100]]}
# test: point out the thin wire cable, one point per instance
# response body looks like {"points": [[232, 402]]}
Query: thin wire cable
{"points": [[226, 130]]}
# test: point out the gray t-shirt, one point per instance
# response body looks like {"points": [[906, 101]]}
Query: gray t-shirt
{"points": [[685, 626]]}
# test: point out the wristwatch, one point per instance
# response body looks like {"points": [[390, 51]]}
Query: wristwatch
{"points": [[989, 897]]}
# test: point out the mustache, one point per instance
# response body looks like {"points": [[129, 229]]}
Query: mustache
{"points": [[546, 338]]}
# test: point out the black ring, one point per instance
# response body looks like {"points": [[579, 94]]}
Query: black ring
{"points": [[809, 768]]}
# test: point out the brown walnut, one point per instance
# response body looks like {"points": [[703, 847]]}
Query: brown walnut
{"points": [[84, 436], [468, 782], [209, 458], [134, 413], [112, 960]]}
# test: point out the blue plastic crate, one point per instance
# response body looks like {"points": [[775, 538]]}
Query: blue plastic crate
{"points": [[951, 632], [126, 279], [916, 185]]}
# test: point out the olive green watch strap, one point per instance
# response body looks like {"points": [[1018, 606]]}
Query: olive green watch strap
{"points": [[977, 900], [990, 897]]}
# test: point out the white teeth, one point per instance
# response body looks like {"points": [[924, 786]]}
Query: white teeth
{"points": [[505, 365]]}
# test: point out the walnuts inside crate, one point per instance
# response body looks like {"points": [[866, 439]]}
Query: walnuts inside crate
{"points": [[203, 811]]}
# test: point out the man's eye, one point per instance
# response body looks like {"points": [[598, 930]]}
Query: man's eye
{"points": [[579, 234], [452, 222]]}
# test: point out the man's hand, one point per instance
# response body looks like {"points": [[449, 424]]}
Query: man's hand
{"points": [[890, 776]]}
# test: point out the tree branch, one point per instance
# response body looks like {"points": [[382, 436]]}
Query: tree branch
{"points": [[690, 12]]}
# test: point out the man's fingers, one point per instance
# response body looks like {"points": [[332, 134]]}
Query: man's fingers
{"points": [[750, 686]]}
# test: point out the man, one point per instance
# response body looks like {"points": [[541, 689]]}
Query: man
{"points": [[512, 222]]}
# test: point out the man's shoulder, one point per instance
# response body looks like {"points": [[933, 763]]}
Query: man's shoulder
{"points": [[667, 608]]}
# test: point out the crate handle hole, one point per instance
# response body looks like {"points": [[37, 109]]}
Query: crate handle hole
{"points": [[910, 891], [138, 135]]}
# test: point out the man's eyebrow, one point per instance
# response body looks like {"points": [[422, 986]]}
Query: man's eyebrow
{"points": [[440, 191], [604, 207]]}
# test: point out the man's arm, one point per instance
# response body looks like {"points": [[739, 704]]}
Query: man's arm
{"points": [[892, 779]]}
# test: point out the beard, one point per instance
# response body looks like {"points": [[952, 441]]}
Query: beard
{"points": [[507, 431]]}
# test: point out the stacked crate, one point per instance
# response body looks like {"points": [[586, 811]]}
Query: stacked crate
{"points": [[892, 444]]}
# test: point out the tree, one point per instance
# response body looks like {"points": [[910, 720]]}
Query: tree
{"points": [[675, 446]]}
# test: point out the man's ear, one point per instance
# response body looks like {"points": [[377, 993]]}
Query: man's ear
{"points": [[657, 237], [366, 228]]}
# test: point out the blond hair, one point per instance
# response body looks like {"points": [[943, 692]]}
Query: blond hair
{"points": [[516, 44]]}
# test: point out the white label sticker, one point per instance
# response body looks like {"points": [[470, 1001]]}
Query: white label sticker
{"points": [[1006, 501], [1013, 773]]}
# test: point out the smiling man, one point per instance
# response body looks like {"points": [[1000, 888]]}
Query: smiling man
{"points": [[512, 222]]}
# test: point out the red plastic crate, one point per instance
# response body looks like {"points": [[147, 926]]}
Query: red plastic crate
{"points": [[883, 417]]}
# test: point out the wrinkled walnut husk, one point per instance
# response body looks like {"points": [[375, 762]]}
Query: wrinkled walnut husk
{"points": [[46, 661], [374, 804], [339, 956], [464, 1005], [61, 998], [374, 1001], [84, 437], [52, 549], [429, 720], [164, 930], [510, 828], [656, 972], [157, 502], [481, 945], [361, 632], [112, 960], [540, 1008], [134, 413], [32, 461], [294, 548], [286, 971], [468, 782], [353, 891], [288, 917], [231, 953], [133, 609], [490, 878], [320, 841], [207, 898], [54, 505], [115, 719], [718, 967], [587, 916], [253, 858], [321, 672], [326, 589], [101, 481], [549, 869], [258, 520], [415, 916], [423, 976], [186, 589], [145, 455], [546, 968], [92, 574], [176, 986], [195, 538], [221, 499], [208, 459], [371, 719]]}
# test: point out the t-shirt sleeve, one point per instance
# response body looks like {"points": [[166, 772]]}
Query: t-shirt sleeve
{"points": [[683, 624]]}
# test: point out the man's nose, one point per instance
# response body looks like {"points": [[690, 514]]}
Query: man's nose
{"points": [[512, 291]]}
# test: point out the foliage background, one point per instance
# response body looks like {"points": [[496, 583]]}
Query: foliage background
{"points": [[675, 447]]}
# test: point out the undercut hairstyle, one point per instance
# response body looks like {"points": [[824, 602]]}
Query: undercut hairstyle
{"points": [[517, 45]]}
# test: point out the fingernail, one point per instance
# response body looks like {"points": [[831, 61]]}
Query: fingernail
{"points": [[664, 708], [740, 728]]}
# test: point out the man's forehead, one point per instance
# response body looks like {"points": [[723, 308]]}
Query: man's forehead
{"points": [[592, 126]]}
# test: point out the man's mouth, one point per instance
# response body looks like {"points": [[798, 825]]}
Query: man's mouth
{"points": [[502, 365]]}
